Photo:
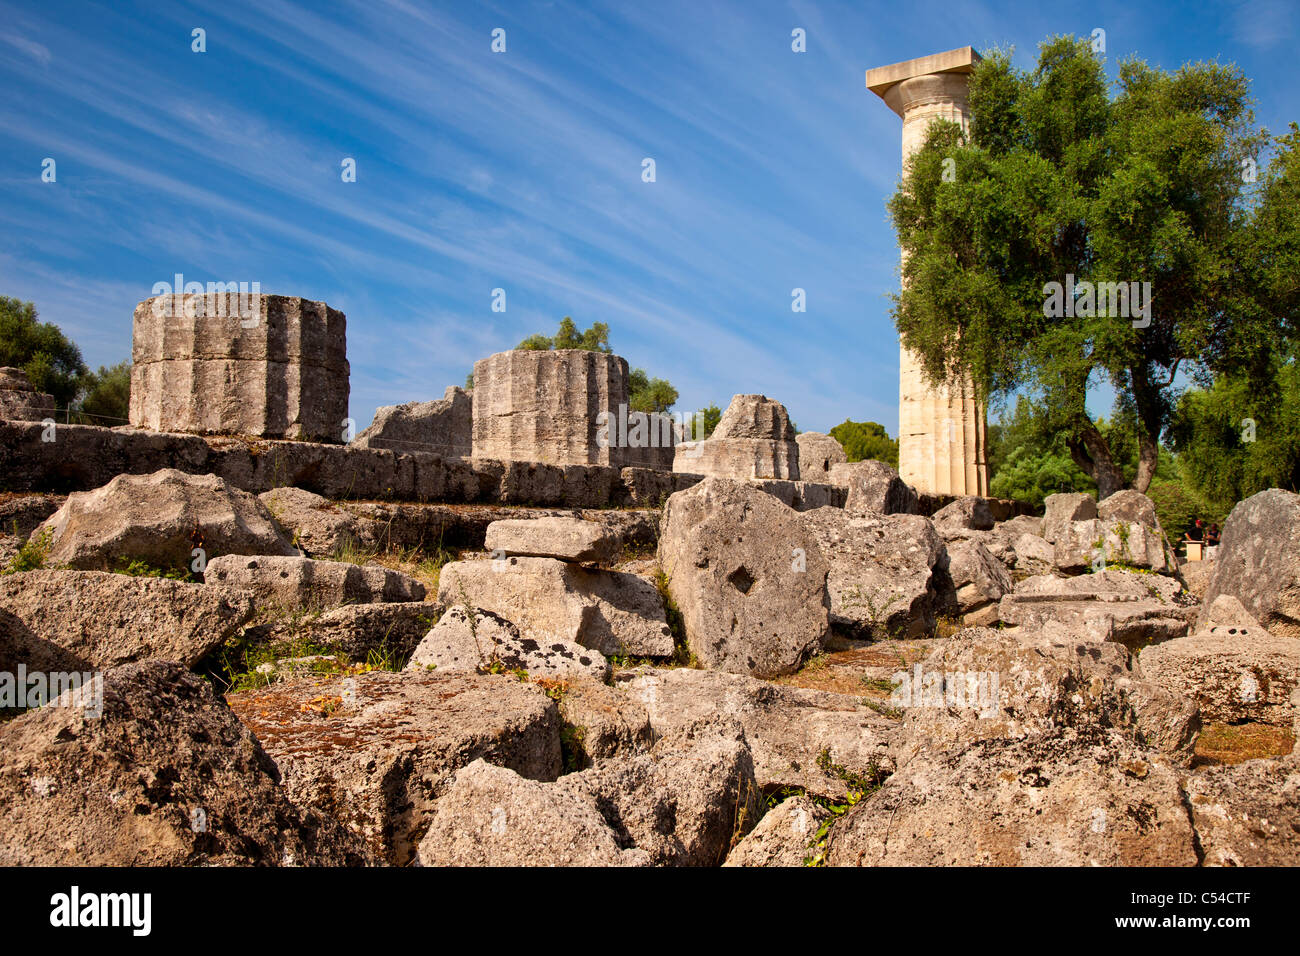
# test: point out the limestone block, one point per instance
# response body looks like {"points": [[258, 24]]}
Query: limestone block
{"points": [[817, 453], [270, 367], [443, 427], [19, 401]]}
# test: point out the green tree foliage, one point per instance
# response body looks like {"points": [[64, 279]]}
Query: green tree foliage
{"points": [[1058, 178], [865, 441], [567, 336], [646, 394], [712, 417], [52, 362], [106, 396]]}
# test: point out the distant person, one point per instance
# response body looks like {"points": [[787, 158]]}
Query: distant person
{"points": [[1196, 531]]}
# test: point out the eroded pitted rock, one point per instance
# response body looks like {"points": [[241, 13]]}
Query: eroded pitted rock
{"points": [[317, 525], [681, 804], [290, 583], [1062, 510], [748, 576], [1136, 610], [566, 539], [754, 439], [875, 488], [612, 612], [1258, 561], [1245, 815], [813, 740], [268, 366], [164, 776], [376, 750], [1070, 798], [470, 639], [984, 684], [882, 571], [957, 520], [976, 582], [161, 519], [784, 837], [111, 619], [817, 454]]}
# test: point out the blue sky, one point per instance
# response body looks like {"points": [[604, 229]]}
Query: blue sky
{"points": [[518, 170]]}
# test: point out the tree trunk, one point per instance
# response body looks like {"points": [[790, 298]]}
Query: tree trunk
{"points": [[1091, 453], [1148, 457]]}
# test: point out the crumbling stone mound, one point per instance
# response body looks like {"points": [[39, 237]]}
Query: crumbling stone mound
{"points": [[566, 539], [1065, 799], [1245, 815], [748, 576], [1258, 561], [376, 750], [784, 837], [545, 406], [443, 427], [754, 439], [290, 583], [1128, 505], [875, 488], [111, 619], [681, 804], [882, 571], [1096, 543], [809, 739], [1117, 605], [1235, 674], [316, 525], [19, 400], [272, 366], [459, 642], [160, 519], [166, 776], [817, 454], [955, 521], [613, 612]]}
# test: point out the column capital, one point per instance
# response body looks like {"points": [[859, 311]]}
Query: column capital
{"points": [[887, 81]]}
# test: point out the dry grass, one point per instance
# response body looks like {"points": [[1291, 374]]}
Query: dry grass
{"points": [[858, 668]]}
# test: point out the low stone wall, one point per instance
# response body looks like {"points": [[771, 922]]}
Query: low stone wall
{"points": [[82, 457]]}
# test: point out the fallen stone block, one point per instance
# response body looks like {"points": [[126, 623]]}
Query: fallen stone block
{"points": [[1258, 560], [292, 583], [566, 539]]}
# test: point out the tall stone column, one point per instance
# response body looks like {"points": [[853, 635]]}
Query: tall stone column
{"points": [[941, 431]]}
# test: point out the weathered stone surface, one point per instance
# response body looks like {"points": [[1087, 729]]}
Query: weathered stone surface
{"points": [[165, 777], [376, 750], [1064, 799], [392, 629], [1116, 605], [456, 644], [1225, 611], [789, 729], [784, 837], [291, 583], [681, 804], [20, 646], [748, 576], [1246, 815], [817, 454], [20, 514], [647, 439], [566, 539], [875, 488], [1197, 574], [881, 577], [316, 525], [985, 684], [976, 582], [19, 400], [754, 439], [1128, 505], [160, 519], [602, 723], [443, 427], [545, 406], [111, 619], [1062, 510], [966, 514], [1033, 554], [1258, 561], [1235, 674], [274, 366], [491, 816], [1085, 544], [609, 611]]}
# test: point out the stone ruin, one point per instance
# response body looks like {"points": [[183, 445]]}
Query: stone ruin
{"points": [[443, 427], [563, 407], [818, 454], [754, 439], [266, 366], [19, 401]]}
